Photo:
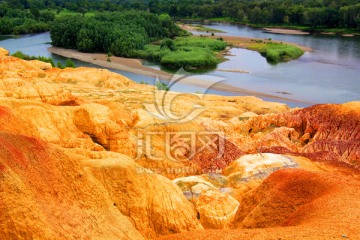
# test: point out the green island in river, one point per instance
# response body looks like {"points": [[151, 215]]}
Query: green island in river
{"points": [[139, 34]]}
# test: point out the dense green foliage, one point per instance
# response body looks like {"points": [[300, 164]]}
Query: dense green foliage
{"points": [[186, 52], [201, 42], [27, 16], [20, 21], [121, 33], [313, 14], [276, 52], [129, 34]]}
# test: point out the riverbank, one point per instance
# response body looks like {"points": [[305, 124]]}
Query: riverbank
{"points": [[246, 42], [281, 29], [307, 31], [101, 59], [135, 66], [285, 31], [199, 28]]}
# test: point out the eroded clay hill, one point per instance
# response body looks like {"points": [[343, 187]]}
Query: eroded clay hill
{"points": [[82, 158]]}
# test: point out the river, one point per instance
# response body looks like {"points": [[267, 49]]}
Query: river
{"points": [[329, 74]]}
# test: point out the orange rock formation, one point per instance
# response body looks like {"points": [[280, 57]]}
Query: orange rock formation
{"points": [[72, 166]]}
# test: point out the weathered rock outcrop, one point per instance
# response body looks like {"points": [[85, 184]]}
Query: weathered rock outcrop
{"points": [[321, 132], [91, 77], [216, 210], [217, 196], [4, 52], [46, 194], [294, 204], [154, 204]]}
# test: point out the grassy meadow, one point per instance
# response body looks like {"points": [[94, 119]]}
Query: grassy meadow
{"points": [[187, 52], [276, 52]]}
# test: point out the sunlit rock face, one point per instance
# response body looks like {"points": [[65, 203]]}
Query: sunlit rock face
{"points": [[155, 205], [216, 210], [4, 52], [215, 206], [257, 166], [45, 193]]}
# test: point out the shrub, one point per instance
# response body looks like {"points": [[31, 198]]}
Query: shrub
{"points": [[203, 42], [69, 64], [60, 65], [162, 86], [276, 52], [168, 43], [23, 56], [190, 58]]}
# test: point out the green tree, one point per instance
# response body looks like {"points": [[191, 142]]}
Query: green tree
{"points": [[314, 17], [35, 12]]}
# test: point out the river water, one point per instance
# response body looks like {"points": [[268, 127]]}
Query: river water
{"points": [[329, 74]]}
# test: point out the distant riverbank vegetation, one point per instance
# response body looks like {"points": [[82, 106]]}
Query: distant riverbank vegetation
{"points": [[339, 16], [343, 16], [17, 21], [136, 34]]}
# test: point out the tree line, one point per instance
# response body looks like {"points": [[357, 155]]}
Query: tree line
{"points": [[21, 21], [311, 13], [19, 16]]}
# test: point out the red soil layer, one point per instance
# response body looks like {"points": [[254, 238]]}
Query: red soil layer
{"points": [[280, 196], [326, 132], [2, 167], [217, 159], [4, 111]]}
